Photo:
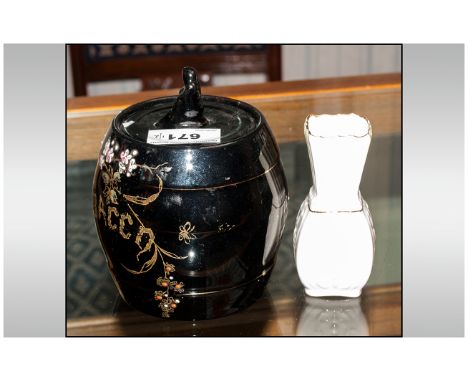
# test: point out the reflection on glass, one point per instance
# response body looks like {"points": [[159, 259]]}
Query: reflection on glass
{"points": [[332, 317]]}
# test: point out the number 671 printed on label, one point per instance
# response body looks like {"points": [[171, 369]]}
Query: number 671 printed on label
{"points": [[183, 136]]}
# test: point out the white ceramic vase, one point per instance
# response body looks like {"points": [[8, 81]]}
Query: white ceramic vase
{"points": [[334, 236]]}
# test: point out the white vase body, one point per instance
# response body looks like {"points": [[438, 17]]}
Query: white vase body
{"points": [[334, 236]]}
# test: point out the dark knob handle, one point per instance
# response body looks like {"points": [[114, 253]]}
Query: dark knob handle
{"points": [[188, 108]]}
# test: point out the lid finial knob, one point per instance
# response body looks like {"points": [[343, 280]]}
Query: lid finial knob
{"points": [[188, 108]]}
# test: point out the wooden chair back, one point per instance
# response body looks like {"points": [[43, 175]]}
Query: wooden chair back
{"points": [[159, 66]]}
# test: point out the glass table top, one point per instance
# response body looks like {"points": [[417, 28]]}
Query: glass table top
{"points": [[95, 308]]}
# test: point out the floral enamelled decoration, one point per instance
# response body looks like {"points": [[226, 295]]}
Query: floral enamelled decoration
{"points": [[190, 202]]}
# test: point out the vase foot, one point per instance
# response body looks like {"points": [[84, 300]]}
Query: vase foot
{"points": [[329, 292]]}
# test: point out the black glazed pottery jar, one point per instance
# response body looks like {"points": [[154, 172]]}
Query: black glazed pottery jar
{"points": [[190, 202]]}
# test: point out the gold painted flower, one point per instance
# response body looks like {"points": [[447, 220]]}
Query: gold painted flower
{"points": [[111, 181], [158, 295], [168, 305], [186, 233], [164, 282], [177, 286], [169, 268]]}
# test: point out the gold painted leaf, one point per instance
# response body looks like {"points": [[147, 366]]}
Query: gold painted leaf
{"points": [[105, 177], [145, 267], [113, 197], [170, 254]]}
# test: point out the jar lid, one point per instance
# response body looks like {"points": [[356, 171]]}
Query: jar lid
{"points": [[206, 141], [190, 118]]}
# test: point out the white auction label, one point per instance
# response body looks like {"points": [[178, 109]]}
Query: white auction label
{"points": [[183, 136]]}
